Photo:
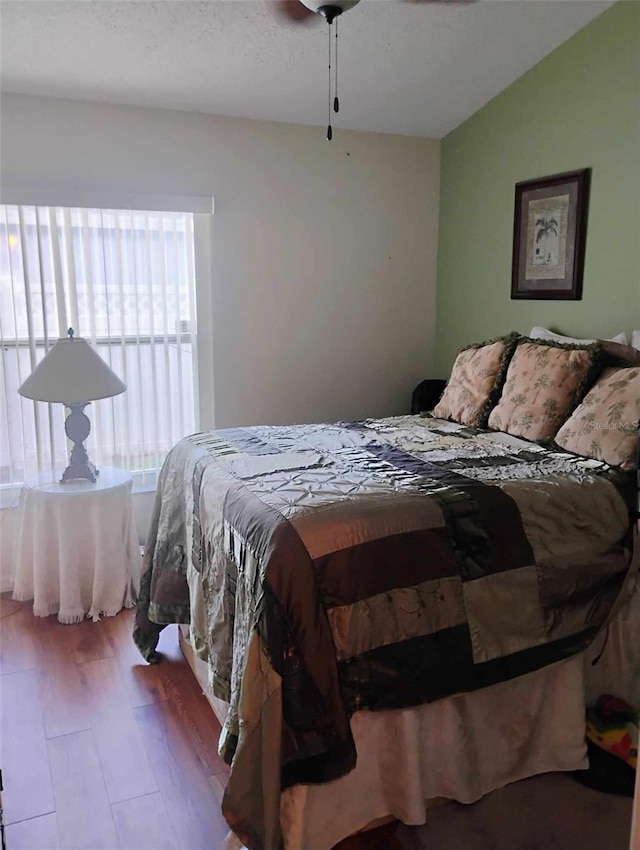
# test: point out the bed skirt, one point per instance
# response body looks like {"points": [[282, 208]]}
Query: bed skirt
{"points": [[458, 748]]}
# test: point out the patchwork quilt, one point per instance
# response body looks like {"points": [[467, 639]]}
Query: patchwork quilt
{"points": [[369, 565]]}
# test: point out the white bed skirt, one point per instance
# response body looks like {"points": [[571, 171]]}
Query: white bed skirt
{"points": [[459, 748], [462, 747]]}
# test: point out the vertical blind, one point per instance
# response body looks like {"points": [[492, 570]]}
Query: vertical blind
{"points": [[123, 280]]}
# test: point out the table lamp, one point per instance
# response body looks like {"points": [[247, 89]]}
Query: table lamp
{"points": [[73, 373]]}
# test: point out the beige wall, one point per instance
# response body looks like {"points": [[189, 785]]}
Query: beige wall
{"points": [[324, 254]]}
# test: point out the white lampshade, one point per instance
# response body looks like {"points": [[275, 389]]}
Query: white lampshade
{"points": [[71, 372]]}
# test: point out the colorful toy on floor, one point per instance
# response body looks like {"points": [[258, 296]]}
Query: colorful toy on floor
{"points": [[612, 743]]}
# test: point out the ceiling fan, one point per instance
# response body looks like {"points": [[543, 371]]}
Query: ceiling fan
{"points": [[305, 11]]}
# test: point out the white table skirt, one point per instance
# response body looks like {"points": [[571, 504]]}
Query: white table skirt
{"points": [[76, 550]]}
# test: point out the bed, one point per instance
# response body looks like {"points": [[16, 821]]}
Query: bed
{"points": [[510, 610], [394, 612]]}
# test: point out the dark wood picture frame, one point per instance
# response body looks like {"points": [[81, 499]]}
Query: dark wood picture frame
{"points": [[549, 236]]}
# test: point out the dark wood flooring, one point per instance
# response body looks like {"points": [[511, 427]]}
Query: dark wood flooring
{"points": [[103, 752]]}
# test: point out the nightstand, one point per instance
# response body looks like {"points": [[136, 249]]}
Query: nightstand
{"points": [[76, 549]]}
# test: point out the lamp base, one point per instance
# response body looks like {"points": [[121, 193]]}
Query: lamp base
{"points": [[77, 428], [80, 470]]}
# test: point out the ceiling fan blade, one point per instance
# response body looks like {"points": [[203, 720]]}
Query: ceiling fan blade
{"points": [[293, 11]]}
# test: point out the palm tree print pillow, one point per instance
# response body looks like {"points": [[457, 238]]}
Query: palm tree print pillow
{"points": [[475, 380], [542, 386], [604, 426]]}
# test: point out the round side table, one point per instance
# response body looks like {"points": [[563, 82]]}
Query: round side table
{"points": [[76, 549]]}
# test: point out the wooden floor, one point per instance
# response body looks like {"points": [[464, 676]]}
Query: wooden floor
{"points": [[103, 752]]}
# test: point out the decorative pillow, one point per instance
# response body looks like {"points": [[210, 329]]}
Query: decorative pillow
{"points": [[635, 339], [475, 382], [604, 426], [545, 333], [544, 382]]}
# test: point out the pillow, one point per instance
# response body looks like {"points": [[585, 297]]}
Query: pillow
{"points": [[544, 382], [604, 426], [635, 339], [544, 333], [475, 382]]}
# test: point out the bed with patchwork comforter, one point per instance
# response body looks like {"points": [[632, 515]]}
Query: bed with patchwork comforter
{"points": [[371, 565]]}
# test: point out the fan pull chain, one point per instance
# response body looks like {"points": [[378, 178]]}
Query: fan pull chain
{"points": [[336, 102], [329, 128]]}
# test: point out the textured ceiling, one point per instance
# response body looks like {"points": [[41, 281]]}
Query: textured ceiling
{"points": [[416, 69]]}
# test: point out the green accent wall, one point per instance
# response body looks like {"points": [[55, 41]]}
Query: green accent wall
{"points": [[578, 108]]}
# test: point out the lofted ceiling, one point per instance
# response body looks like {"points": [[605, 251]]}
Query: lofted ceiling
{"points": [[409, 68]]}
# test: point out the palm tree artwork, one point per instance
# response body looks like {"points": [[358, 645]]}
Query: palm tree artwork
{"points": [[544, 227]]}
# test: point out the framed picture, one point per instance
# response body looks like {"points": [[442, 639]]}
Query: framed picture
{"points": [[549, 232]]}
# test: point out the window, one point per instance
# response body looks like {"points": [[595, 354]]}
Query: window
{"points": [[125, 281]]}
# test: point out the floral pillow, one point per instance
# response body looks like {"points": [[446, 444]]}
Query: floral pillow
{"points": [[476, 378], [604, 426], [544, 381]]}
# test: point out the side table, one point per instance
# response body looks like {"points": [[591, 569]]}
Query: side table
{"points": [[76, 549]]}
